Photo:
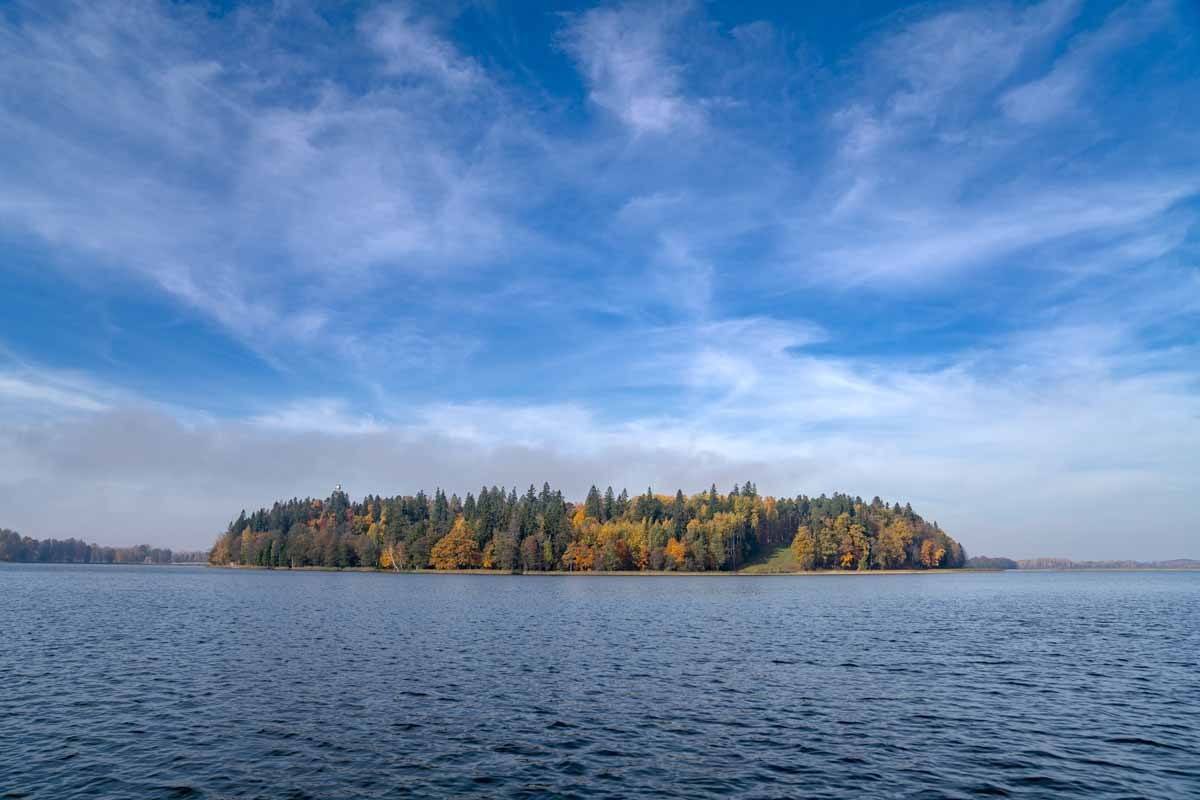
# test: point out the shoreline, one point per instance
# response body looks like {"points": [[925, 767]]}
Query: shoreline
{"points": [[606, 573], [683, 574], [625, 573]]}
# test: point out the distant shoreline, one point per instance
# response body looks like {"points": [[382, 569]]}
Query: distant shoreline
{"points": [[111, 563], [1105, 569]]}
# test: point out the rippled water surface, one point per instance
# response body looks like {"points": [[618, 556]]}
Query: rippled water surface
{"points": [[191, 682]]}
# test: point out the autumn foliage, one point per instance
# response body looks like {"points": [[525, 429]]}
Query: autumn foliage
{"points": [[501, 530], [457, 549]]}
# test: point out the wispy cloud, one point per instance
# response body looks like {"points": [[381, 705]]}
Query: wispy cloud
{"points": [[931, 183], [1058, 90], [48, 394], [932, 74], [149, 150], [412, 48], [624, 55]]}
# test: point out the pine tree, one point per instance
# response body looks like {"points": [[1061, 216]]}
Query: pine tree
{"points": [[679, 515], [593, 506]]}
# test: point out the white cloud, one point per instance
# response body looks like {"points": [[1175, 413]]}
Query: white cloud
{"points": [[42, 393], [318, 415], [158, 142], [930, 184], [1057, 91], [623, 55], [932, 73], [924, 244], [412, 48]]}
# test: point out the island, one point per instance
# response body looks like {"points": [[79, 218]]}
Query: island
{"points": [[541, 531]]}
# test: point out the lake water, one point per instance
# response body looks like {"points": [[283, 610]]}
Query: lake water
{"points": [[146, 682]]}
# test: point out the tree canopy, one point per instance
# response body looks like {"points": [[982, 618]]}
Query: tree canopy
{"points": [[540, 530]]}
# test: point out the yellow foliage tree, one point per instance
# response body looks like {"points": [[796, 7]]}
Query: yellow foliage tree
{"points": [[457, 549], [853, 547], [893, 544], [220, 553], [804, 548], [676, 552], [931, 553]]}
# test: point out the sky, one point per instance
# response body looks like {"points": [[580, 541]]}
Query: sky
{"points": [[942, 253]]}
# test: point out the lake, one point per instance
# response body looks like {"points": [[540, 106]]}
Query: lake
{"points": [[180, 682]]}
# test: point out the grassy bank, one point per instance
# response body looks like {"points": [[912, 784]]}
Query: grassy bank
{"points": [[781, 561]]}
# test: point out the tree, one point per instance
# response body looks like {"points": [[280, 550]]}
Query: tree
{"points": [[440, 514], [892, 548], [623, 503], [679, 515], [505, 551], [457, 549], [578, 557], [594, 506], [853, 548], [675, 553], [531, 554], [804, 548], [931, 554]]}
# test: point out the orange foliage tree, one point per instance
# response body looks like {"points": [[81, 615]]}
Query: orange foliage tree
{"points": [[457, 549], [676, 552], [931, 553], [578, 557]]}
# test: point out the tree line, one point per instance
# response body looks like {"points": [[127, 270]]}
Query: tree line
{"points": [[500, 529], [15, 547], [992, 562], [1067, 563]]}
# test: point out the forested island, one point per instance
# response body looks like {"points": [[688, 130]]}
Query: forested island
{"points": [[538, 531], [26, 550]]}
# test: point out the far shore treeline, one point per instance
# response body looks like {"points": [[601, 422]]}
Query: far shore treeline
{"points": [[541, 531], [15, 547]]}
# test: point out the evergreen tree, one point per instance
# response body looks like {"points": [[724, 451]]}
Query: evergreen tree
{"points": [[593, 506], [679, 515]]}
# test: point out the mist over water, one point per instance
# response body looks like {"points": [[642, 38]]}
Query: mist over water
{"points": [[191, 682]]}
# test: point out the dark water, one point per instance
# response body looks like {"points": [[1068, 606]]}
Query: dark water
{"points": [[187, 682]]}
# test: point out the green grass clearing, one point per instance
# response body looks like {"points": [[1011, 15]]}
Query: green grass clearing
{"points": [[781, 560]]}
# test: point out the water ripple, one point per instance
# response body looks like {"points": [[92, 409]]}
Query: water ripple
{"points": [[193, 683]]}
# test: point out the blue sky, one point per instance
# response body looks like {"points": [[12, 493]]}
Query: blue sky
{"points": [[944, 253]]}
